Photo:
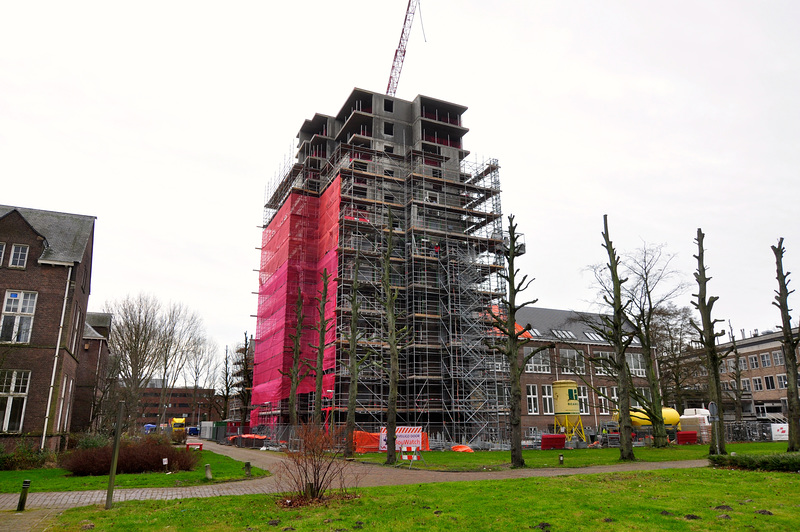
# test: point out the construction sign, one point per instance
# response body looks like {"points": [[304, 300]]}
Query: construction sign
{"points": [[406, 437]]}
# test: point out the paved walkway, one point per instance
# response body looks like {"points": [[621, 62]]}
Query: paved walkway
{"points": [[41, 506]]}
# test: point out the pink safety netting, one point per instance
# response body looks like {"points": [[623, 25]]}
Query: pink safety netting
{"points": [[299, 242]]}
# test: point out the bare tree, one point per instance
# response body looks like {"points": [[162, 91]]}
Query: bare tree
{"points": [[505, 321], [300, 368], [679, 369], [651, 289], [613, 330], [708, 341], [790, 343], [199, 374], [134, 342], [181, 334], [354, 362], [225, 385], [395, 336], [735, 392], [322, 327]]}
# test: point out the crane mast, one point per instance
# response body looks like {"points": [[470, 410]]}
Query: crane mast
{"points": [[400, 53]]}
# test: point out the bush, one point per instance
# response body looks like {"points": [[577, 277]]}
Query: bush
{"points": [[134, 457], [24, 456], [90, 441], [789, 462]]}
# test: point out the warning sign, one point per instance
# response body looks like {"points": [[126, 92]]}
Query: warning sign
{"points": [[406, 437]]}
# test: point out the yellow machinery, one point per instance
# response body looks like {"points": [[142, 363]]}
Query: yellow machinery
{"points": [[567, 410]]}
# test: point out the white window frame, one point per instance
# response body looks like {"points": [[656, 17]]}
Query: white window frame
{"points": [[746, 385], [767, 380], [753, 361], [637, 369], [2, 252], [758, 385], [547, 399], [533, 400], [539, 363], [603, 400], [599, 367], [614, 396], [578, 367], [777, 359], [17, 306], [594, 336], [13, 258], [765, 360], [783, 382], [14, 386], [743, 363], [583, 400], [732, 365]]}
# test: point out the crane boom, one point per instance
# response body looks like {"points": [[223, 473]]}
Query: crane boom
{"points": [[400, 53]]}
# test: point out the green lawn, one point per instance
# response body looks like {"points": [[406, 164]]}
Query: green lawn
{"points": [[223, 469], [654, 500], [493, 460]]}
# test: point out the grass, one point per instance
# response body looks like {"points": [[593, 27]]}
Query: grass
{"points": [[654, 500], [495, 460], [223, 469]]}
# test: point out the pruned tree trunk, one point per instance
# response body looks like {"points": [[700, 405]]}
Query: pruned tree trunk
{"points": [[790, 342], [322, 328], [708, 340]]}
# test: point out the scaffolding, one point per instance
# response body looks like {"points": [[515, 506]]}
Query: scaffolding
{"points": [[445, 260]]}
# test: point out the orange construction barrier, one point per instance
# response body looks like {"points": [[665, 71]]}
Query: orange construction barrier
{"points": [[461, 449], [367, 442]]}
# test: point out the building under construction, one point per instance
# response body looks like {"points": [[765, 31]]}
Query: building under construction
{"points": [[332, 204]]}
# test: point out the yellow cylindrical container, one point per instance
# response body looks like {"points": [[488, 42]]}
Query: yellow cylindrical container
{"points": [[640, 419], [565, 402]]}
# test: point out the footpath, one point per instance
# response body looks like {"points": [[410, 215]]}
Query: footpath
{"points": [[42, 506]]}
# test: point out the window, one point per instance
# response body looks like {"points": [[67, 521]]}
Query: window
{"points": [[2, 252], [388, 106], [757, 386], [783, 382], [765, 363], [565, 335], [19, 256], [17, 318], [388, 129], [753, 361], [603, 400], [746, 385], [389, 173], [583, 399], [539, 363], [769, 382], [614, 396], [533, 400], [635, 364], [388, 149], [603, 364], [725, 386], [743, 364], [13, 396], [572, 361], [597, 337], [547, 398], [777, 358], [723, 367], [732, 366]]}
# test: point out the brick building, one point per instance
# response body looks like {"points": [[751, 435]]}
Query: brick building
{"points": [[91, 378], [575, 343], [45, 281], [762, 374], [194, 404]]}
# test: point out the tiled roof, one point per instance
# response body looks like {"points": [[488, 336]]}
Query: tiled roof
{"points": [[561, 325], [66, 234]]}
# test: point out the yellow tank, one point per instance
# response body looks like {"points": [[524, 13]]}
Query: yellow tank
{"points": [[640, 419], [567, 409]]}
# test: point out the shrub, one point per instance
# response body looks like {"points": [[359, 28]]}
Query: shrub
{"points": [[764, 462], [25, 456], [134, 457], [90, 441]]}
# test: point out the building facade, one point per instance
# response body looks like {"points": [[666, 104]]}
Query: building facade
{"points": [[45, 281], [761, 376], [384, 167], [194, 404], [92, 380], [577, 346]]}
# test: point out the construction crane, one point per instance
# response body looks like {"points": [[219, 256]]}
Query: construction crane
{"points": [[400, 53]]}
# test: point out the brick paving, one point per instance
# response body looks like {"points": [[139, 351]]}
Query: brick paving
{"points": [[42, 506]]}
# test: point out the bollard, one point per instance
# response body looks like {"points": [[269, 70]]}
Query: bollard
{"points": [[560, 459], [208, 472], [247, 469], [23, 496]]}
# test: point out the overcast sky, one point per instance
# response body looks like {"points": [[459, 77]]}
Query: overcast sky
{"points": [[166, 120]]}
